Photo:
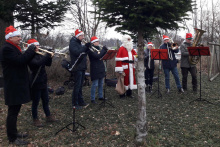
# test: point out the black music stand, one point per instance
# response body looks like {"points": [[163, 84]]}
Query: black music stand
{"points": [[159, 54], [109, 55], [199, 51], [75, 124]]}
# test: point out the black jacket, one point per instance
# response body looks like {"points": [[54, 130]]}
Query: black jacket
{"points": [[97, 67], [15, 72], [146, 59], [75, 48], [37, 62], [169, 63]]}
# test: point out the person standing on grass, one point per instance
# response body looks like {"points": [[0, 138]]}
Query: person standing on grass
{"points": [[16, 81], [97, 69], [39, 88]]}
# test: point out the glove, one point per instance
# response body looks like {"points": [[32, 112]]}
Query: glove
{"points": [[32, 47], [105, 48], [88, 45]]}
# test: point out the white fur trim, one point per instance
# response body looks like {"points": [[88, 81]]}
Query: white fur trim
{"points": [[150, 44], [125, 66], [166, 38], [117, 69], [95, 40], [35, 43], [81, 33], [130, 55], [121, 59], [12, 34]]}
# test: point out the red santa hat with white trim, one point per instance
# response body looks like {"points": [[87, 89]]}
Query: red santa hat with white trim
{"points": [[165, 37], [11, 32], [78, 33], [149, 43], [94, 39], [33, 41]]}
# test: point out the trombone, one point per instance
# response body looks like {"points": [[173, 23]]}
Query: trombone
{"points": [[93, 49], [46, 51]]}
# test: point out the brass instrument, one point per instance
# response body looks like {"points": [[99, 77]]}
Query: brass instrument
{"points": [[46, 51], [174, 45], [195, 59], [93, 49]]}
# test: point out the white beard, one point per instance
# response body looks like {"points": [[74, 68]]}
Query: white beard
{"points": [[128, 45]]}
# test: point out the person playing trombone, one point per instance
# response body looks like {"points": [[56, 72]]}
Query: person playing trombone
{"points": [[97, 69], [16, 81], [39, 84]]}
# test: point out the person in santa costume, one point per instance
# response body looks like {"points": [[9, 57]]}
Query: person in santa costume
{"points": [[125, 65], [97, 69], [16, 81], [149, 65], [170, 65], [185, 64], [39, 88]]}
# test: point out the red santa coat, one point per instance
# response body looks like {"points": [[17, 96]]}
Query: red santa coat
{"points": [[129, 68]]}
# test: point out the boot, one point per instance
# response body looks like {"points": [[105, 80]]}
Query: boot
{"points": [[150, 88], [51, 119], [37, 123]]}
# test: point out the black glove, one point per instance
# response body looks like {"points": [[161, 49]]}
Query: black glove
{"points": [[88, 45], [32, 47], [105, 48]]}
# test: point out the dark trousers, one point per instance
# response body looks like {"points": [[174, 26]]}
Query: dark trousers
{"points": [[38, 94], [149, 74], [11, 122], [77, 98], [193, 72]]}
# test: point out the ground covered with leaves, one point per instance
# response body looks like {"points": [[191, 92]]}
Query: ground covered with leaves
{"points": [[172, 119]]}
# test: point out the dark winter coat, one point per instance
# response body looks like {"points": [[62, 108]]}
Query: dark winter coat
{"points": [[185, 55], [75, 48], [15, 72], [97, 67], [146, 59], [169, 64], [37, 62]]}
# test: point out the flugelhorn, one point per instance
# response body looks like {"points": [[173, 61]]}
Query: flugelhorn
{"points": [[93, 49], [46, 51]]}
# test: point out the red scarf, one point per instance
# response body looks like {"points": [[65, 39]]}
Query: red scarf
{"points": [[14, 44]]}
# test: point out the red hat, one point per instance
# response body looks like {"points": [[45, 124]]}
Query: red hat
{"points": [[32, 41], [78, 33], [188, 36], [165, 37], [11, 32], [94, 39], [150, 43]]}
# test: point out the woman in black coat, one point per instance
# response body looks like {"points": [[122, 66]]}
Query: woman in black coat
{"points": [[39, 84], [97, 69]]}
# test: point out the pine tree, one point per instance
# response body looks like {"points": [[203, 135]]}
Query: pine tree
{"points": [[38, 14], [142, 18]]}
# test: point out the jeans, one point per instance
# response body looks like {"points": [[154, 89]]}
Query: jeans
{"points": [[193, 73], [149, 74], [167, 77], [11, 122], [95, 83], [38, 94], [77, 98]]}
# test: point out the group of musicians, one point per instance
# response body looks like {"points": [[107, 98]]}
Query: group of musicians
{"points": [[171, 65], [18, 89]]}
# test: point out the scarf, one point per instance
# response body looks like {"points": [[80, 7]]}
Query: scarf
{"points": [[18, 47]]}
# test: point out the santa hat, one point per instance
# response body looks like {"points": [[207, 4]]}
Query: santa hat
{"points": [[78, 33], [94, 39], [11, 32], [32, 41], [149, 43], [165, 37], [188, 36]]}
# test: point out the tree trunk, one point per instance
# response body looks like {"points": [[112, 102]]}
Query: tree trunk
{"points": [[141, 124]]}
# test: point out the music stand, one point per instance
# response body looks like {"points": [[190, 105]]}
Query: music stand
{"points": [[109, 55], [75, 124], [159, 54], [199, 51]]}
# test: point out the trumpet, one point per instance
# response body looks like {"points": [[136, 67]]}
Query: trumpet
{"points": [[93, 49], [46, 51], [174, 45]]}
